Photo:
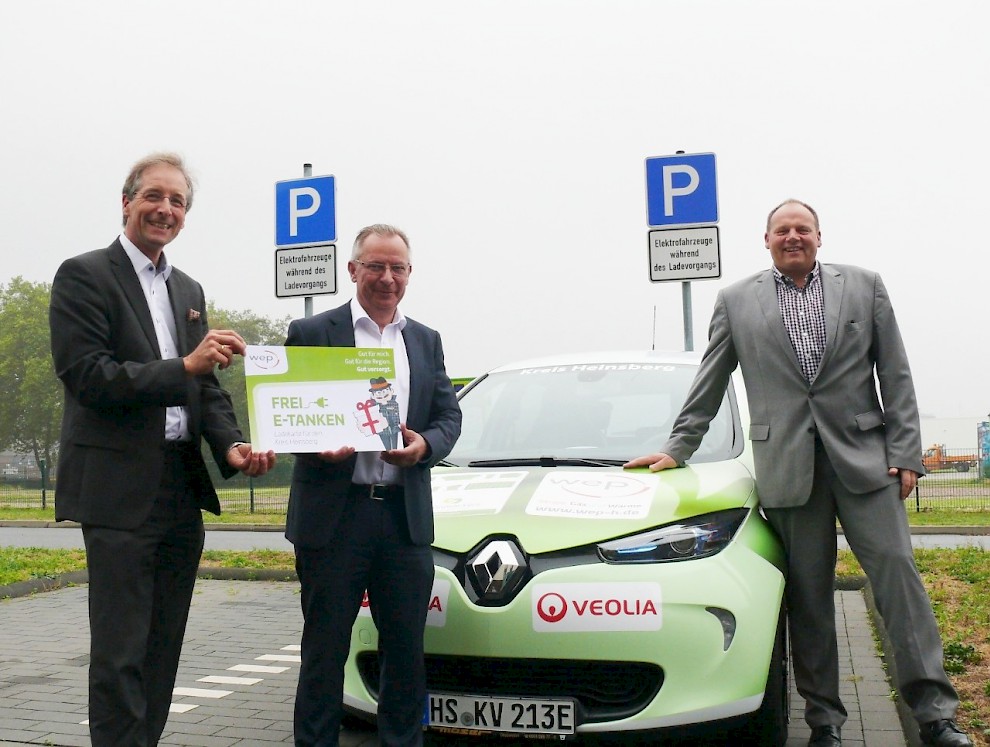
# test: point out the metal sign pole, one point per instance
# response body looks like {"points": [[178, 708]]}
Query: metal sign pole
{"points": [[686, 311], [307, 300]]}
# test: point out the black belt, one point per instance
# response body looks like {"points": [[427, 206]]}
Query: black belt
{"points": [[180, 452], [377, 492], [179, 463], [179, 445]]}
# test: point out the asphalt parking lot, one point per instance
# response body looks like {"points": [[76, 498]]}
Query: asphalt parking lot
{"points": [[236, 681]]}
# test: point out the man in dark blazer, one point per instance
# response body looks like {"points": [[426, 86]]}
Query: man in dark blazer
{"points": [[131, 344], [813, 342], [365, 521]]}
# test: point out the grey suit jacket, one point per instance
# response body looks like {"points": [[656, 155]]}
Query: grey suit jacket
{"points": [[318, 494], [117, 388], [863, 350]]}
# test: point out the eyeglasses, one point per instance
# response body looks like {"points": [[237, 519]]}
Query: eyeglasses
{"points": [[176, 201], [378, 268]]}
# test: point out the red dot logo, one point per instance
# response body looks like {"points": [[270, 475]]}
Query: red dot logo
{"points": [[551, 607]]}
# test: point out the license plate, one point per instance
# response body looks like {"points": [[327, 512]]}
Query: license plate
{"points": [[511, 715]]}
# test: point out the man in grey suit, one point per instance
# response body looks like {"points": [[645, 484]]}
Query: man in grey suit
{"points": [[131, 344], [813, 341], [365, 521]]}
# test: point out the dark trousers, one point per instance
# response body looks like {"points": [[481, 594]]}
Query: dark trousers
{"points": [[370, 550], [876, 528], [140, 588]]}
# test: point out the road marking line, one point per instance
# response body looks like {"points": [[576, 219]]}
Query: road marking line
{"points": [[279, 657], [201, 692], [215, 679], [257, 668]]}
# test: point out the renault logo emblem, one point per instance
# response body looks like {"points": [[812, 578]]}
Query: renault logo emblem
{"points": [[497, 571]]}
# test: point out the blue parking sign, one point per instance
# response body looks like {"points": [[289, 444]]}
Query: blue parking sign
{"points": [[681, 190], [305, 212]]}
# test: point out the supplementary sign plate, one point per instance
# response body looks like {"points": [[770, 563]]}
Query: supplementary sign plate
{"points": [[684, 254]]}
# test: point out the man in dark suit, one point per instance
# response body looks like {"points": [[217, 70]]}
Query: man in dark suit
{"points": [[365, 521], [813, 341], [132, 346]]}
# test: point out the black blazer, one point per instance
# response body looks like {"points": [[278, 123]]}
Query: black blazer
{"points": [[117, 388], [319, 489]]}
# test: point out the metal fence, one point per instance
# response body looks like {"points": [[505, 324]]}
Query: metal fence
{"points": [[959, 481], [237, 495]]}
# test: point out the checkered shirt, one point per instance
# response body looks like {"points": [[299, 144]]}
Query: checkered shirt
{"points": [[803, 310]]}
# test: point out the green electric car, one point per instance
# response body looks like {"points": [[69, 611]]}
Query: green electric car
{"points": [[573, 597]]}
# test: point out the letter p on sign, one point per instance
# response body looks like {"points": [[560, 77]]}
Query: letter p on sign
{"points": [[670, 191], [681, 190], [296, 211]]}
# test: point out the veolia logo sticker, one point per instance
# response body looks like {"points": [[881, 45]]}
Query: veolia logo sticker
{"points": [[436, 609], [560, 608]]}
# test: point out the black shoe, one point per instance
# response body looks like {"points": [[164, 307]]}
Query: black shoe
{"points": [[825, 736], [944, 733]]}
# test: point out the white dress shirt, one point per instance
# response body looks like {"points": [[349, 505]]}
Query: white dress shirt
{"points": [[156, 294], [370, 469]]}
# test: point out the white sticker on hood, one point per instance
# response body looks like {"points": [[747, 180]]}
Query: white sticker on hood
{"points": [[594, 495], [473, 493]]}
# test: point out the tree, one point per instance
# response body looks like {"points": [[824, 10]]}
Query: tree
{"points": [[30, 394], [256, 330]]}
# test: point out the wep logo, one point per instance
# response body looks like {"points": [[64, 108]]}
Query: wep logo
{"points": [[592, 485], [261, 361], [265, 360], [596, 607]]}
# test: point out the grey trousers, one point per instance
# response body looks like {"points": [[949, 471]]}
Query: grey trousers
{"points": [[876, 528]]}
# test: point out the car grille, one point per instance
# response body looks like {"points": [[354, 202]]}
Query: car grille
{"points": [[605, 690]]}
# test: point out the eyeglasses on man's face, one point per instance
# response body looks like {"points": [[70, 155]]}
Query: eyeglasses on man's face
{"points": [[178, 202], [378, 268]]}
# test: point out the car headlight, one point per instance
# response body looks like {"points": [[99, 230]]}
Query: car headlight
{"points": [[697, 537]]}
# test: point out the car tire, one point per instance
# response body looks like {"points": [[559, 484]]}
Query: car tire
{"points": [[767, 727], [962, 467]]}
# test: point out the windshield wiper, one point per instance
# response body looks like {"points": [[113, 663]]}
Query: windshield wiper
{"points": [[547, 461]]}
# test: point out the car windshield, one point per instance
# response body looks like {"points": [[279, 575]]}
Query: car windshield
{"points": [[585, 413]]}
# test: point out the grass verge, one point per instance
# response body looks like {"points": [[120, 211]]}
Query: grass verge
{"points": [[958, 583], [228, 517], [925, 517]]}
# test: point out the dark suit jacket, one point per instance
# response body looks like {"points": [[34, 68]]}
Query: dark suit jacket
{"points": [[319, 489], [863, 349], [117, 388]]}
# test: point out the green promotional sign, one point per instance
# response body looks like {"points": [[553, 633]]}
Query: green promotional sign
{"points": [[309, 399]]}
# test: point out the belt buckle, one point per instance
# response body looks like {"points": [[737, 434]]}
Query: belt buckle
{"points": [[371, 492]]}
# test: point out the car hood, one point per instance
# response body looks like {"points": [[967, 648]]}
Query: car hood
{"points": [[553, 508]]}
